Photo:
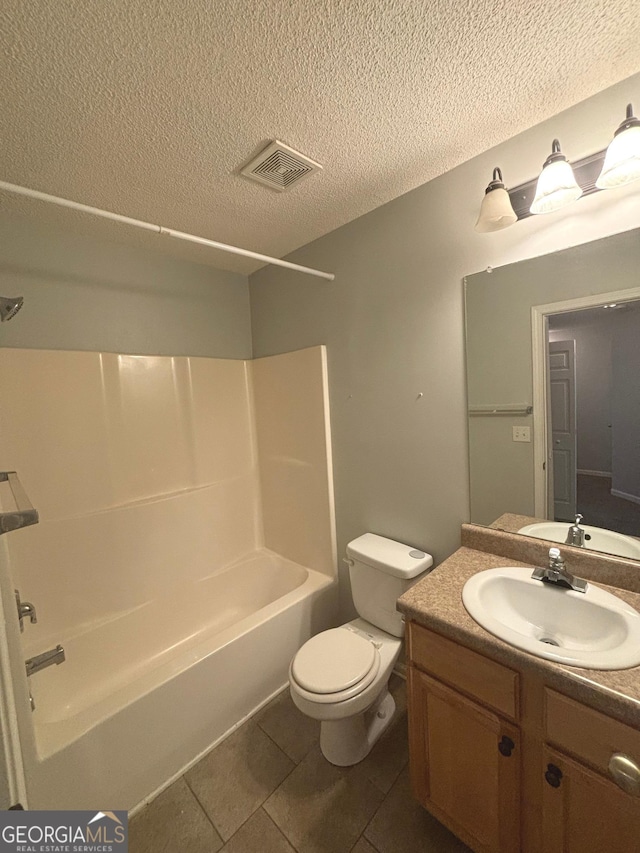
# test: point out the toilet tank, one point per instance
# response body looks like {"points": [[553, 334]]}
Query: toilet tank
{"points": [[381, 570]]}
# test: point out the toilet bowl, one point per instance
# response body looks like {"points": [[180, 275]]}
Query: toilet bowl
{"points": [[341, 676]]}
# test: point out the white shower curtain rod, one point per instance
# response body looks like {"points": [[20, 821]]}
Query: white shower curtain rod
{"points": [[160, 229]]}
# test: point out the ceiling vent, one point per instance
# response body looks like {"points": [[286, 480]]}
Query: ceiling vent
{"points": [[279, 167]]}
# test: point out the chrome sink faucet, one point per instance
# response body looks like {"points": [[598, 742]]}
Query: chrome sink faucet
{"points": [[558, 574], [575, 536]]}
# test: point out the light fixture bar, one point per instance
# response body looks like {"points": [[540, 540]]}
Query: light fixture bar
{"points": [[160, 229], [586, 172]]}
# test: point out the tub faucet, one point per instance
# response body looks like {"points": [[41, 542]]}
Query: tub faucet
{"points": [[558, 574], [575, 535], [44, 660], [25, 610]]}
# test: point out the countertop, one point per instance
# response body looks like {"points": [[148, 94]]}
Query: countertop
{"points": [[436, 602]]}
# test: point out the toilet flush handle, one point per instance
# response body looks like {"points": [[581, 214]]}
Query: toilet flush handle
{"points": [[348, 561]]}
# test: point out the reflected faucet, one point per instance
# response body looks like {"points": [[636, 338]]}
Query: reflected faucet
{"points": [[575, 536]]}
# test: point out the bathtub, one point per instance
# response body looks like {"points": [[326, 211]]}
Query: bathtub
{"points": [[143, 695]]}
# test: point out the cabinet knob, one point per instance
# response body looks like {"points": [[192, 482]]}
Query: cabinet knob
{"points": [[506, 746], [553, 775], [625, 773]]}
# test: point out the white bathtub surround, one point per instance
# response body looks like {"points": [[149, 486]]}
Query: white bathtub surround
{"points": [[162, 562], [291, 435]]}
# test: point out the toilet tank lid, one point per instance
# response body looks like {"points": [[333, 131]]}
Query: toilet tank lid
{"points": [[401, 561]]}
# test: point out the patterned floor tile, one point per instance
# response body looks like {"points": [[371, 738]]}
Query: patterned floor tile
{"points": [[233, 780], [258, 835], [322, 808], [289, 728], [401, 825], [173, 821]]}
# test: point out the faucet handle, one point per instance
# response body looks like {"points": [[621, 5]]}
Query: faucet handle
{"points": [[578, 519], [556, 560], [25, 609]]}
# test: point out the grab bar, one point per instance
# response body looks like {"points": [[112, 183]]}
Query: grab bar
{"points": [[24, 513]]}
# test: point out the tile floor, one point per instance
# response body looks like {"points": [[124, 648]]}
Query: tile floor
{"points": [[268, 789]]}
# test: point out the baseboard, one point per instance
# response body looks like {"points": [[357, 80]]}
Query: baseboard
{"points": [[400, 669], [594, 473], [634, 499]]}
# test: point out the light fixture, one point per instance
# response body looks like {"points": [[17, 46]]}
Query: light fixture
{"points": [[560, 183], [622, 160], [557, 185], [496, 211]]}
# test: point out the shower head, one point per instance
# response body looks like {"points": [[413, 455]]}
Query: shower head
{"points": [[9, 307]]}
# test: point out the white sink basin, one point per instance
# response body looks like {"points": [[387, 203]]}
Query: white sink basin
{"points": [[601, 539], [592, 629]]}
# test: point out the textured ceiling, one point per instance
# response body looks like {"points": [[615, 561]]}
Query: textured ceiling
{"points": [[150, 109]]}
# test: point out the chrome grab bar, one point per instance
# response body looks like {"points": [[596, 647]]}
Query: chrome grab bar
{"points": [[24, 513]]}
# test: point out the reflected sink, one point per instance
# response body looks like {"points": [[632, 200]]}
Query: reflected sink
{"points": [[592, 629], [601, 539]]}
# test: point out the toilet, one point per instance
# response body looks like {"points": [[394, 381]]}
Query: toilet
{"points": [[341, 676]]}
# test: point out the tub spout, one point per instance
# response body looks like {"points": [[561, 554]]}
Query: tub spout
{"points": [[44, 660]]}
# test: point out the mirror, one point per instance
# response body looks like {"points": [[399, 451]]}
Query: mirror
{"points": [[534, 452]]}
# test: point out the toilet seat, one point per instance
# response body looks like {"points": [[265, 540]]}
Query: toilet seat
{"points": [[335, 665]]}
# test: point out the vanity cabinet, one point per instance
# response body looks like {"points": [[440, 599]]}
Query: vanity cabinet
{"points": [[511, 765], [584, 810], [465, 756]]}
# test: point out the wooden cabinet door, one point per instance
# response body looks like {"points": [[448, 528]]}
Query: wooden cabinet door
{"points": [[584, 812], [465, 765]]}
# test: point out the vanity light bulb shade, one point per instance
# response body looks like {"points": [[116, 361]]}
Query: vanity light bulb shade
{"points": [[622, 160], [496, 212], [556, 188]]}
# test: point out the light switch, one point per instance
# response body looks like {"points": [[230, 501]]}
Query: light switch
{"points": [[522, 433]]}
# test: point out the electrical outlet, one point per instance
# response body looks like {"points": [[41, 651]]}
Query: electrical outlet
{"points": [[521, 433]]}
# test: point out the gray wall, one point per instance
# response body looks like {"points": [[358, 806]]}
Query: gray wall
{"points": [[85, 294], [394, 328], [626, 408]]}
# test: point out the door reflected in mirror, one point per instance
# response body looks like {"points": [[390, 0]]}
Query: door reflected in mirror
{"points": [[594, 382], [553, 381]]}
